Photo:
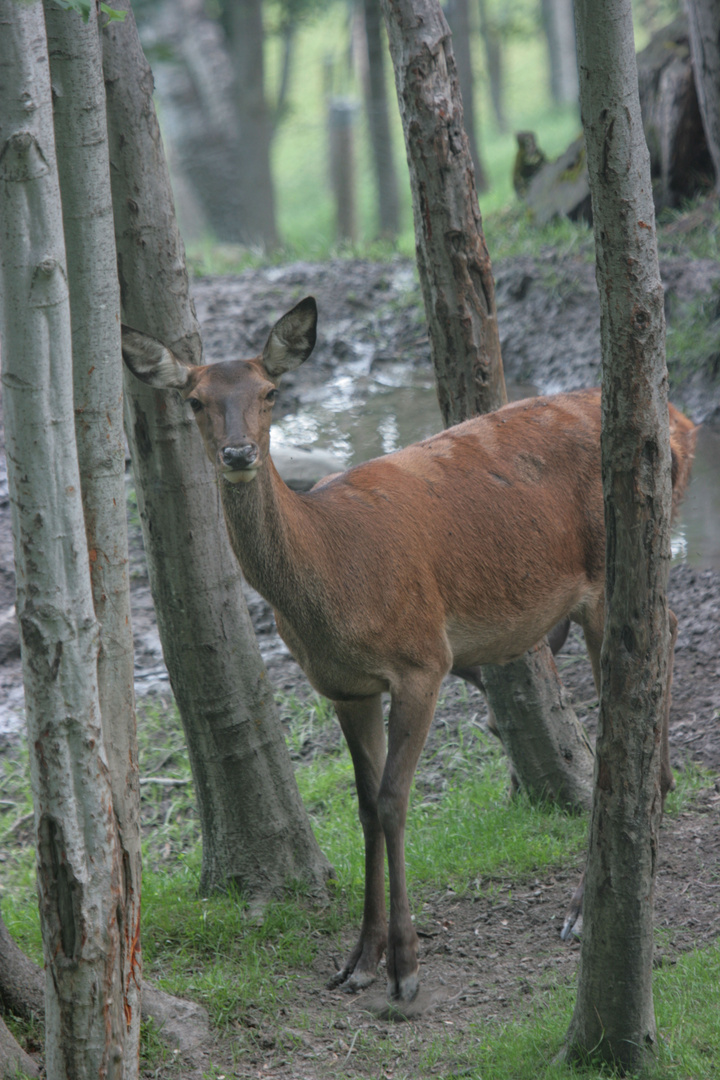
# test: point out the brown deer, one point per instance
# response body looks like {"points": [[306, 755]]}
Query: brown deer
{"points": [[461, 550]]}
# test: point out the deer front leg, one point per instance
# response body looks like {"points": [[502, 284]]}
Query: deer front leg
{"points": [[364, 729], [411, 713]]}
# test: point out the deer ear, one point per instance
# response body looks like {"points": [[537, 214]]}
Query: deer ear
{"points": [[153, 363], [292, 339]]}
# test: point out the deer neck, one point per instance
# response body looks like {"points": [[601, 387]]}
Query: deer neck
{"points": [[268, 532]]}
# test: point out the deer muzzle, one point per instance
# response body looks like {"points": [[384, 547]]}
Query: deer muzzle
{"points": [[240, 463]]}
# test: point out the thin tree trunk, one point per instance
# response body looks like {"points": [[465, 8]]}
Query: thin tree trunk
{"points": [[84, 173], [247, 42], [493, 58], [557, 18], [376, 106], [78, 858], [458, 16], [704, 25], [614, 1016], [459, 298], [256, 833]]}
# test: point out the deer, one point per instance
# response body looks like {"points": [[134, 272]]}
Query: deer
{"points": [[460, 550]]}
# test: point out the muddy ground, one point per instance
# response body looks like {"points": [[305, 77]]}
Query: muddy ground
{"points": [[484, 957]]}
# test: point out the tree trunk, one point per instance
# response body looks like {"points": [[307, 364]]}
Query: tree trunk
{"points": [[247, 43], [459, 298], [457, 14], [180, 1023], [559, 27], [78, 858], [376, 107], [13, 1059], [84, 173], [195, 88], [704, 24], [680, 163], [493, 58], [256, 833], [614, 1016]]}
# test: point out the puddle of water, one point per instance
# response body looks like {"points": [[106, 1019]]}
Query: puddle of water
{"points": [[362, 416]]}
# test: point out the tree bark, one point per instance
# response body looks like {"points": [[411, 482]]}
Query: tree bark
{"points": [[457, 14], [614, 1016], [459, 297], [78, 858], [13, 1059], [376, 107], [256, 833], [84, 174], [247, 43], [181, 1023], [704, 25]]}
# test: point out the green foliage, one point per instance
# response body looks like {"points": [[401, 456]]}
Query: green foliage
{"points": [[84, 7], [693, 338]]}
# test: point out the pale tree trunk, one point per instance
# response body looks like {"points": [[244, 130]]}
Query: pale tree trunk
{"points": [[704, 25], [614, 1017], [247, 42], [553, 760], [559, 26], [78, 856], [84, 172], [376, 107], [256, 833], [458, 16]]}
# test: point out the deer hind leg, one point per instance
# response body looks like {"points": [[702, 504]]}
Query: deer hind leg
{"points": [[411, 713], [364, 729]]}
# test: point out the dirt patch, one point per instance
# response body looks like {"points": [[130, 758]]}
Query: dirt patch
{"points": [[490, 954]]}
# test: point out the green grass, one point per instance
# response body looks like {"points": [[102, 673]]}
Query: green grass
{"points": [[469, 838], [687, 1009]]}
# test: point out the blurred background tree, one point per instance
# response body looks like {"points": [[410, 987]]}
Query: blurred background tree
{"points": [[252, 94]]}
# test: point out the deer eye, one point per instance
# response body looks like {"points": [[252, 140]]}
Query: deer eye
{"points": [[195, 404], [271, 396]]}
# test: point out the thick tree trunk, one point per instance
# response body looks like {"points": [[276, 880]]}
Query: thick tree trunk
{"points": [[559, 27], [180, 1023], [256, 833], [247, 43], [459, 298], [22, 992], [704, 24], [13, 1059], [614, 1015], [376, 107], [680, 163], [84, 173], [458, 16], [78, 857]]}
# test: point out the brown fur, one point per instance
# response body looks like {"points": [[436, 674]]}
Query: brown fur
{"points": [[461, 550]]}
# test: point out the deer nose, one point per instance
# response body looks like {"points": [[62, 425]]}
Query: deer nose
{"points": [[240, 457]]}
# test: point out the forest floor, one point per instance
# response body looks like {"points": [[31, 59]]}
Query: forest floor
{"points": [[489, 954]]}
